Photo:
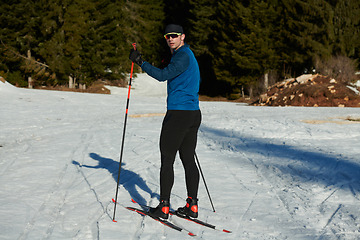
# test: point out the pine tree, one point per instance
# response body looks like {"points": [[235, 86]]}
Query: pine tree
{"points": [[19, 36], [346, 27], [202, 38], [152, 13], [178, 12], [51, 48], [306, 32], [74, 30], [253, 47], [104, 44], [238, 37], [235, 42]]}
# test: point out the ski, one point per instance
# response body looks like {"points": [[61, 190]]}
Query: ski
{"points": [[194, 220], [202, 223], [166, 223]]}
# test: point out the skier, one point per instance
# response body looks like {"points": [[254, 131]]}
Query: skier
{"points": [[181, 122]]}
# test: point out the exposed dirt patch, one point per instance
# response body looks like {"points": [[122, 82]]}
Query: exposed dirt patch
{"points": [[313, 121], [96, 87], [146, 115]]}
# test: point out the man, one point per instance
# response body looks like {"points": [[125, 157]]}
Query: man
{"points": [[181, 122]]}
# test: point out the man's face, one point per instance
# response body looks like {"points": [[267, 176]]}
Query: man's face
{"points": [[175, 41]]}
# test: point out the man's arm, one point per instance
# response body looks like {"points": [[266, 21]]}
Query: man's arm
{"points": [[179, 63]]}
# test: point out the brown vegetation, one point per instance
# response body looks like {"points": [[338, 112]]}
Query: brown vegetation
{"points": [[96, 87]]}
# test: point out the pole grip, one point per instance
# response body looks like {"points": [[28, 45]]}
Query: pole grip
{"points": [[132, 67]]}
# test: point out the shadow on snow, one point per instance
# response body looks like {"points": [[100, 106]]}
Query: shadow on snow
{"points": [[309, 165], [128, 179]]}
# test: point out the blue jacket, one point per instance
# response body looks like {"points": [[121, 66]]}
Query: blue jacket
{"points": [[183, 79]]}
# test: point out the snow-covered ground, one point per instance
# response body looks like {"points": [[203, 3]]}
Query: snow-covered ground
{"points": [[271, 173]]}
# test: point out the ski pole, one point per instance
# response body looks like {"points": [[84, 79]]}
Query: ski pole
{"points": [[123, 137], [202, 175]]}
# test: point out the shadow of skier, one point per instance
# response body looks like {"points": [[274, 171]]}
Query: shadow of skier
{"points": [[315, 165], [128, 179]]}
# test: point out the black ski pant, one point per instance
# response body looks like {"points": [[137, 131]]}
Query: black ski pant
{"points": [[179, 133]]}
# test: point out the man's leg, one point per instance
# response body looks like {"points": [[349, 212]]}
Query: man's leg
{"points": [[187, 152], [174, 128]]}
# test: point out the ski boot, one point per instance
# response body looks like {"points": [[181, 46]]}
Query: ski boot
{"points": [[190, 209], [162, 210]]}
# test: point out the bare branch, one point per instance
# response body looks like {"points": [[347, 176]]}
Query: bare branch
{"points": [[42, 64]]}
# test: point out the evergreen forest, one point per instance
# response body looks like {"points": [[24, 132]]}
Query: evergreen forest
{"points": [[236, 42]]}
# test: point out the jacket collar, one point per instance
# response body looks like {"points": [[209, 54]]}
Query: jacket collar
{"points": [[183, 46]]}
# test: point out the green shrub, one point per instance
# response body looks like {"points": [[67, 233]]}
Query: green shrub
{"points": [[17, 79]]}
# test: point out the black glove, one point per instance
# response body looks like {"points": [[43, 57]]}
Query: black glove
{"points": [[135, 56]]}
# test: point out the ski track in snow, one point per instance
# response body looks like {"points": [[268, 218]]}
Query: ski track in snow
{"points": [[270, 175], [292, 182]]}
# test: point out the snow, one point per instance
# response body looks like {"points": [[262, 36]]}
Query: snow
{"points": [[272, 172]]}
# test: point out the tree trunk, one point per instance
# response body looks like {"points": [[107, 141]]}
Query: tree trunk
{"points": [[71, 82], [30, 83], [250, 91], [266, 81], [82, 86]]}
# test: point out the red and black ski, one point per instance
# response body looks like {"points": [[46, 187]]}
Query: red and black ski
{"points": [[164, 222], [197, 221], [202, 223]]}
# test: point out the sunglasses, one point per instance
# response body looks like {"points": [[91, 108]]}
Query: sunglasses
{"points": [[172, 35]]}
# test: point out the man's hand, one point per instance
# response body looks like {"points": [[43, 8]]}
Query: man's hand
{"points": [[135, 56]]}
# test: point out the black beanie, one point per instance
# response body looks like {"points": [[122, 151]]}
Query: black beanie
{"points": [[173, 28]]}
